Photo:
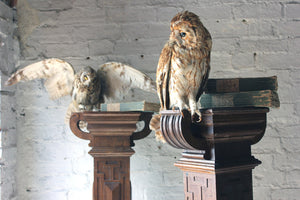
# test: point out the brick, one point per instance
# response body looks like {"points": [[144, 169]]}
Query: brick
{"points": [[154, 149], [140, 163], [38, 134], [52, 35], [146, 31], [144, 175], [288, 87], [30, 115], [173, 177], [83, 163], [263, 175], [257, 10], [290, 145], [164, 192], [9, 136], [8, 117], [48, 152], [58, 5], [123, 3], [268, 145], [261, 193], [289, 28], [284, 115], [220, 64], [286, 162], [139, 47], [100, 47], [212, 11], [26, 193], [166, 13], [263, 45], [129, 30], [169, 2], [81, 16], [263, 28], [6, 29], [243, 61], [282, 194], [5, 12], [147, 63], [291, 131], [63, 50], [294, 45], [293, 179], [86, 3], [277, 61], [80, 194], [292, 10], [226, 28], [96, 32], [8, 173], [129, 14], [226, 45]]}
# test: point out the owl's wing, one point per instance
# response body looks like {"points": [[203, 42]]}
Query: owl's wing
{"points": [[204, 78], [59, 76], [206, 64], [117, 79], [163, 76]]}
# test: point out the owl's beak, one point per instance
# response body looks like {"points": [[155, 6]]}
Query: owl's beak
{"points": [[174, 39], [172, 42]]}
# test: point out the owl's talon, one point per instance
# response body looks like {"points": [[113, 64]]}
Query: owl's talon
{"points": [[199, 120], [197, 117]]}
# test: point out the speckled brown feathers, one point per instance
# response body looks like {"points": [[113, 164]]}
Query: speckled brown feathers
{"points": [[184, 65], [88, 88]]}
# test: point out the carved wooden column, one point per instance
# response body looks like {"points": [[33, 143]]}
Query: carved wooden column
{"points": [[216, 161], [111, 136]]}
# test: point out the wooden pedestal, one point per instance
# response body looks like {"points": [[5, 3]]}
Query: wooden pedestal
{"points": [[216, 162], [111, 136]]}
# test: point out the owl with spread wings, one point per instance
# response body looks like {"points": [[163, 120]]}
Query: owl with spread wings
{"points": [[88, 88], [183, 67]]}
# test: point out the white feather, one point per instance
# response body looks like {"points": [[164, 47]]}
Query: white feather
{"points": [[59, 76], [117, 79]]}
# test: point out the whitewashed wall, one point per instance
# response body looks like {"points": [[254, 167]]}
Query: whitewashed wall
{"points": [[250, 38], [9, 55]]}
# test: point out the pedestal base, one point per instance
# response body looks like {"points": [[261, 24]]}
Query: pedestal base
{"points": [[111, 137], [226, 186], [112, 178], [208, 180], [217, 162]]}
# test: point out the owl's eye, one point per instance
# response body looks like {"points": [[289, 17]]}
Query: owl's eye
{"points": [[182, 34], [85, 77]]}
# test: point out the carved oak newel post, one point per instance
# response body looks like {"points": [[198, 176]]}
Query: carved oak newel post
{"points": [[111, 136], [216, 161]]}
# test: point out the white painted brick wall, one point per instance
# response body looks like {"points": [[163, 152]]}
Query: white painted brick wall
{"points": [[250, 38], [8, 55]]}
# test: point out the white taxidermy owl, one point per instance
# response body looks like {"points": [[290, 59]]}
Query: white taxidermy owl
{"points": [[88, 88]]}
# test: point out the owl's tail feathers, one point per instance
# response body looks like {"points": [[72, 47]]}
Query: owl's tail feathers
{"points": [[154, 125]]}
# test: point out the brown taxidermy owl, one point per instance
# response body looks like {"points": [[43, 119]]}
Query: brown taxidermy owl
{"points": [[183, 67], [88, 88]]}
